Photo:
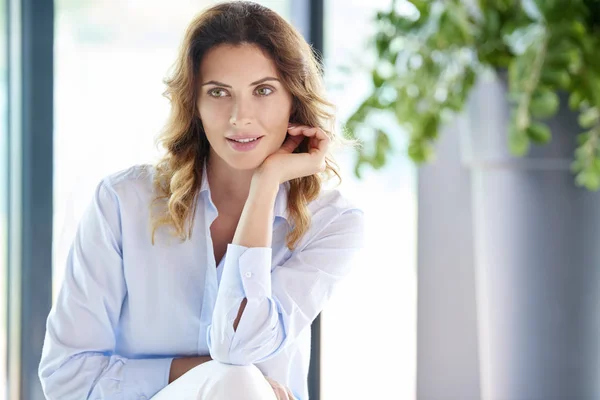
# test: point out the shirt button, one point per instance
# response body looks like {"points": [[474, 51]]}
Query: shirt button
{"points": [[248, 274]]}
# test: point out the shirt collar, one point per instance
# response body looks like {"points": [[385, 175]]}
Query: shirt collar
{"points": [[280, 209], [204, 184]]}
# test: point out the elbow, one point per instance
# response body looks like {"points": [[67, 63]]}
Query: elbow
{"points": [[247, 349], [255, 335], [60, 386], [51, 379], [71, 378], [219, 343], [221, 350]]}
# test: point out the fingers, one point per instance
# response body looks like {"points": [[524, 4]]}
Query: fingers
{"points": [[290, 394], [282, 392], [319, 141], [291, 143], [306, 131]]}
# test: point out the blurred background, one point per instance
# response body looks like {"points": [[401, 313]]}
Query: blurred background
{"points": [[480, 272]]}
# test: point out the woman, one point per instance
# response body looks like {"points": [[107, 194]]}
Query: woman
{"points": [[198, 278]]}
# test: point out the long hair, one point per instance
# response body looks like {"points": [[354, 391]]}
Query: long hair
{"points": [[178, 174]]}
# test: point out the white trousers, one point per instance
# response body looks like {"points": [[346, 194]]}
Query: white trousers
{"points": [[213, 380]]}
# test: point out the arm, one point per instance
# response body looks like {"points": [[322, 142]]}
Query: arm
{"points": [[78, 360], [258, 312], [255, 228], [180, 366]]}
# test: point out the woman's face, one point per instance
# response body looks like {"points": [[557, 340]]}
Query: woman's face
{"points": [[240, 98]]}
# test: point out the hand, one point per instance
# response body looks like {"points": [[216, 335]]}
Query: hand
{"points": [[285, 165], [282, 392], [180, 366]]}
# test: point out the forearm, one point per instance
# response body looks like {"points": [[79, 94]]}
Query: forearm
{"points": [[255, 228], [180, 366], [256, 222]]}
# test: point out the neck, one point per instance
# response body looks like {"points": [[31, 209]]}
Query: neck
{"points": [[229, 187]]}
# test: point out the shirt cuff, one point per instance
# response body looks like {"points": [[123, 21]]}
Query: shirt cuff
{"points": [[253, 268], [144, 378]]}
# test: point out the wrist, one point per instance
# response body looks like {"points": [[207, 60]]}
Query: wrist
{"points": [[264, 183]]}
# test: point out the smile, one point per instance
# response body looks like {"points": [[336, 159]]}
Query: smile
{"points": [[244, 140], [244, 144]]}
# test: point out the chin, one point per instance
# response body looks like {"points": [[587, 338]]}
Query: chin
{"points": [[248, 162]]}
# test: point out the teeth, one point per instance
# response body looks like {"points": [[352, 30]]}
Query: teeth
{"points": [[244, 140]]}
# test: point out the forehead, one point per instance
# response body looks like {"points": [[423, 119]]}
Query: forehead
{"points": [[232, 64]]}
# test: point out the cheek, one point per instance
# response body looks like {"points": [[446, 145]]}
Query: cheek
{"points": [[211, 110], [275, 116], [215, 117]]}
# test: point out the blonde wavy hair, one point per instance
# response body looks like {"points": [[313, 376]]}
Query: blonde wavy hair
{"points": [[178, 174]]}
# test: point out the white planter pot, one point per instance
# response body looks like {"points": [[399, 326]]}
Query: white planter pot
{"points": [[537, 254]]}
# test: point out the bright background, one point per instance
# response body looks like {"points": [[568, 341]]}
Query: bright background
{"points": [[110, 59]]}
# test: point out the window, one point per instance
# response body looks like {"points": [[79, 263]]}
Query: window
{"points": [[369, 327]]}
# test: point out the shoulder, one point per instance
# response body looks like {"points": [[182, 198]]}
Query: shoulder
{"points": [[131, 185], [138, 178], [333, 202], [335, 216]]}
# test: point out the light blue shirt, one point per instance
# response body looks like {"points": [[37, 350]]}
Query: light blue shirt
{"points": [[126, 307]]}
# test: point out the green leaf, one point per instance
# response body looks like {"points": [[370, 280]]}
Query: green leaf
{"points": [[431, 127], [596, 165], [492, 20], [518, 143], [378, 80], [575, 99], [382, 43], [422, 6], [576, 166], [419, 151], [560, 59], [588, 179], [383, 141], [589, 117], [582, 138], [544, 104], [559, 78], [539, 133], [514, 76]]}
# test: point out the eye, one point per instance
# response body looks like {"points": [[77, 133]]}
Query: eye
{"points": [[261, 91], [217, 92]]}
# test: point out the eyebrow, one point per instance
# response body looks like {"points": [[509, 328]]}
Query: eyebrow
{"points": [[268, 78]]}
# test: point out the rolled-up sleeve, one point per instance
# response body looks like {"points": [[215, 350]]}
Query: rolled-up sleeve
{"points": [[284, 300], [78, 360]]}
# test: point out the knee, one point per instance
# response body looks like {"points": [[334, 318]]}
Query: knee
{"points": [[240, 381], [240, 374]]}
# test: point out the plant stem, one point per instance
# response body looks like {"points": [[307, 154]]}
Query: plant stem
{"points": [[523, 119]]}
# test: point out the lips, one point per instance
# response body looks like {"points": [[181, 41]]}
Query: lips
{"points": [[244, 140], [244, 143]]}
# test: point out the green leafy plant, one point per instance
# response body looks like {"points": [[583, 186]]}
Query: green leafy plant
{"points": [[429, 54]]}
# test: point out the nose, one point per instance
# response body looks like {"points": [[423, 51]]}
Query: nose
{"points": [[242, 113]]}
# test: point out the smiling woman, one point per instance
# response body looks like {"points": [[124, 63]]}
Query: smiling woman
{"points": [[261, 247], [237, 115]]}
